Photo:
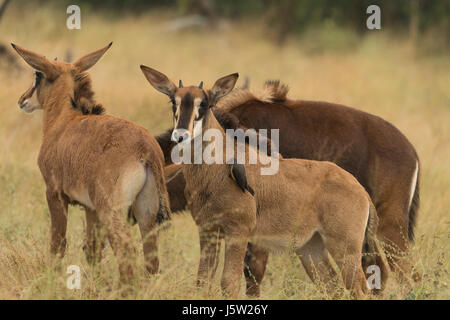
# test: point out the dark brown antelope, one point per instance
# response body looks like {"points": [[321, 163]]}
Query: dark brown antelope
{"points": [[108, 165], [311, 206], [370, 148]]}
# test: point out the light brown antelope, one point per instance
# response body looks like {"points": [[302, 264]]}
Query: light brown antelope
{"points": [[370, 148], [313, 207], [110, 166]]}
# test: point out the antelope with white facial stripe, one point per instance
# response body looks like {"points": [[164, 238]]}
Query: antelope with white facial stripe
{"points": [[373, 150], [110, 166], [314, 207]]}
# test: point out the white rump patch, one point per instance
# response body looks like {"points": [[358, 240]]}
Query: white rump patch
{"points": [[413, 185], [368, 216]]}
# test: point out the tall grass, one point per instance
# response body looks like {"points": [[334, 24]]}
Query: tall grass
{"points": [[380, 75]]}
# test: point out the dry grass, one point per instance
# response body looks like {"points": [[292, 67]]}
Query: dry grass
{"points": [[381, 75]]}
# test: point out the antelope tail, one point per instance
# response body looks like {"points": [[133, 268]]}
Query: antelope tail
{"points": [[164, 213], [414, 208], [371, 254]]}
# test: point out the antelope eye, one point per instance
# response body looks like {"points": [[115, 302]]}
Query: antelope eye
{"points": [[204, 104], [39, 77]]}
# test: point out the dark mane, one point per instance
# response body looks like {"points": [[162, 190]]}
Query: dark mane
{"points": [[273, 92], [83, 99], [278, 90]]}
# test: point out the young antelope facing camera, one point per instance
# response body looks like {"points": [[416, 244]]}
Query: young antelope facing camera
{"points": [[111, 167], [314, 207]]}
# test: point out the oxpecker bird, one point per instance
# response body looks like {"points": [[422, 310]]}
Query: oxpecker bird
{"points": [[238, 174]]}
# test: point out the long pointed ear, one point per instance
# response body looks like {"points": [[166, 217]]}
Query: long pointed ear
{"points": [[222, 87], [89, 60], [159, 81], [37, 62]]}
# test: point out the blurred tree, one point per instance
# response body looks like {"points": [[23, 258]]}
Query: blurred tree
{"points": [[3, 7], [205, 8], [282, 18], [6, 57], [414, 21], [285, 17]]}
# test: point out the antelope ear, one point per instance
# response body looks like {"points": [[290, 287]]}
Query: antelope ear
{"points": [[37, 62], [90, 59], [159, 81], [222, 87]]}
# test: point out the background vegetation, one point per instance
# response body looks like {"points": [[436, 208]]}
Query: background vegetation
{"points": [[327, 54], [413, 18]]}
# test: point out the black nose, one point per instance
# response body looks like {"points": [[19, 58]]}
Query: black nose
{"points": [[183, 137]]}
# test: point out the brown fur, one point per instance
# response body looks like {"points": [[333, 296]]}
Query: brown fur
{"points": [[106, 164], [314, 207], [175, 183], [372, 149], [286, 211]]}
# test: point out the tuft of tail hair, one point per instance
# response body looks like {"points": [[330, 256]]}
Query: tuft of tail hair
{"points": [[371, 254], [164, 213]]}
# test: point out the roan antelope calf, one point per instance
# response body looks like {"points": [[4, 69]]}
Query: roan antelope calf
{"points": [[110, 166], [314, 207]]}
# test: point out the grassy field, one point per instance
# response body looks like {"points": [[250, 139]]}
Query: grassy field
{"points": [[379, 74]]}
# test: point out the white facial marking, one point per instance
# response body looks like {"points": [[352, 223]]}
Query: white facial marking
{"points": [[197, 102], [178, 133], [197, 128], [177, 103], [30, 104], [177, 112], [175, 135]]}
